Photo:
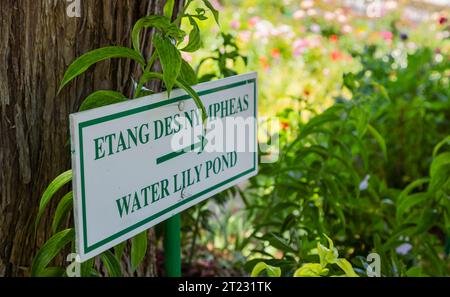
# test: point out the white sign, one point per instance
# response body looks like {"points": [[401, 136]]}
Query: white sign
{"points": [[140, 162]]}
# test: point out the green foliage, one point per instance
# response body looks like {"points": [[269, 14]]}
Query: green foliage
{"points": [[83, 63], [326, 256], [138, 249], [372, 170], [49, 251], [270, 270], [175, 72], [52, 188]]}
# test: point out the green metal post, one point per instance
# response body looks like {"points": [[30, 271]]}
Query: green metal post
{"points": [[172, 246]]}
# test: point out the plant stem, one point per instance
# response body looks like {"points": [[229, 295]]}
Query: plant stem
{"points": [[147, 68]]}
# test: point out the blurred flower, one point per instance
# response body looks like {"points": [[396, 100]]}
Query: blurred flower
{"points": [[311, 12], [386, 35], [275, 53], [329, 16], [245, 35], [235, 24], [341, 18], [216, 4], [306, 92], [253, 21], [347, 29], [299, 14], [403, 249], [336, 55], [299, 46], [315, 28], [334, 38], [404, 36], [307, 4], [364, 183], [284, 125], [442, 20], [390, 5], [187, 57], [264, 62]]}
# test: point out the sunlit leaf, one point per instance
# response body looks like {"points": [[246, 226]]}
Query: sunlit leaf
{"points": [[83, 63], [162, 23], [271, 271], [195, 41], [311, 270]]}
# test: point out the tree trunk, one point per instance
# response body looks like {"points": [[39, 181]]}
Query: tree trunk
{"points": [[38, 40]]}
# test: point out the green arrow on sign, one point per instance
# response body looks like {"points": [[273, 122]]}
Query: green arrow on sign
{"points": [[201, 144]]}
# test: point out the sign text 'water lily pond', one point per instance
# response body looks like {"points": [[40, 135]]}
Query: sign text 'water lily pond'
{"points": [[140, 162]]}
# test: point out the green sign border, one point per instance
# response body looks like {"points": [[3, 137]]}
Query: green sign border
{"points": [[85, 124]]}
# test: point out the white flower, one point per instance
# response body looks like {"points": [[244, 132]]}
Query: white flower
{"points": [[299, 14], [307, 4]]}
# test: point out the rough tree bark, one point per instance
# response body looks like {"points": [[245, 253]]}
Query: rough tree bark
{"points": [[37, 42]]}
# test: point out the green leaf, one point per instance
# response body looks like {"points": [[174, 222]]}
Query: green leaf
{"points": [[53, 272], [415, 272], [83, 63], [111, 264], [311, 270], [170, 59], [439, 145], [270, 270], [410, 201], [195, 40], [52, 188], [214, 11], [102, 98], [195, 97], [119, 249], [187, 74], [438, 162], [168, 8], [162, 23], [346, 266], [379, 139], [138, 249], [327, 255], [62, 209], [87, 269], [49, 251]]}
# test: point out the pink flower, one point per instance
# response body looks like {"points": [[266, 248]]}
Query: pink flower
{"points": [[300, 46], [187, 57], [235, 24], [386, 35], [253, 21]]}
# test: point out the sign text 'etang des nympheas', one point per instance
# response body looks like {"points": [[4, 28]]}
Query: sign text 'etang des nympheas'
{"points": [[140, 162]]}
